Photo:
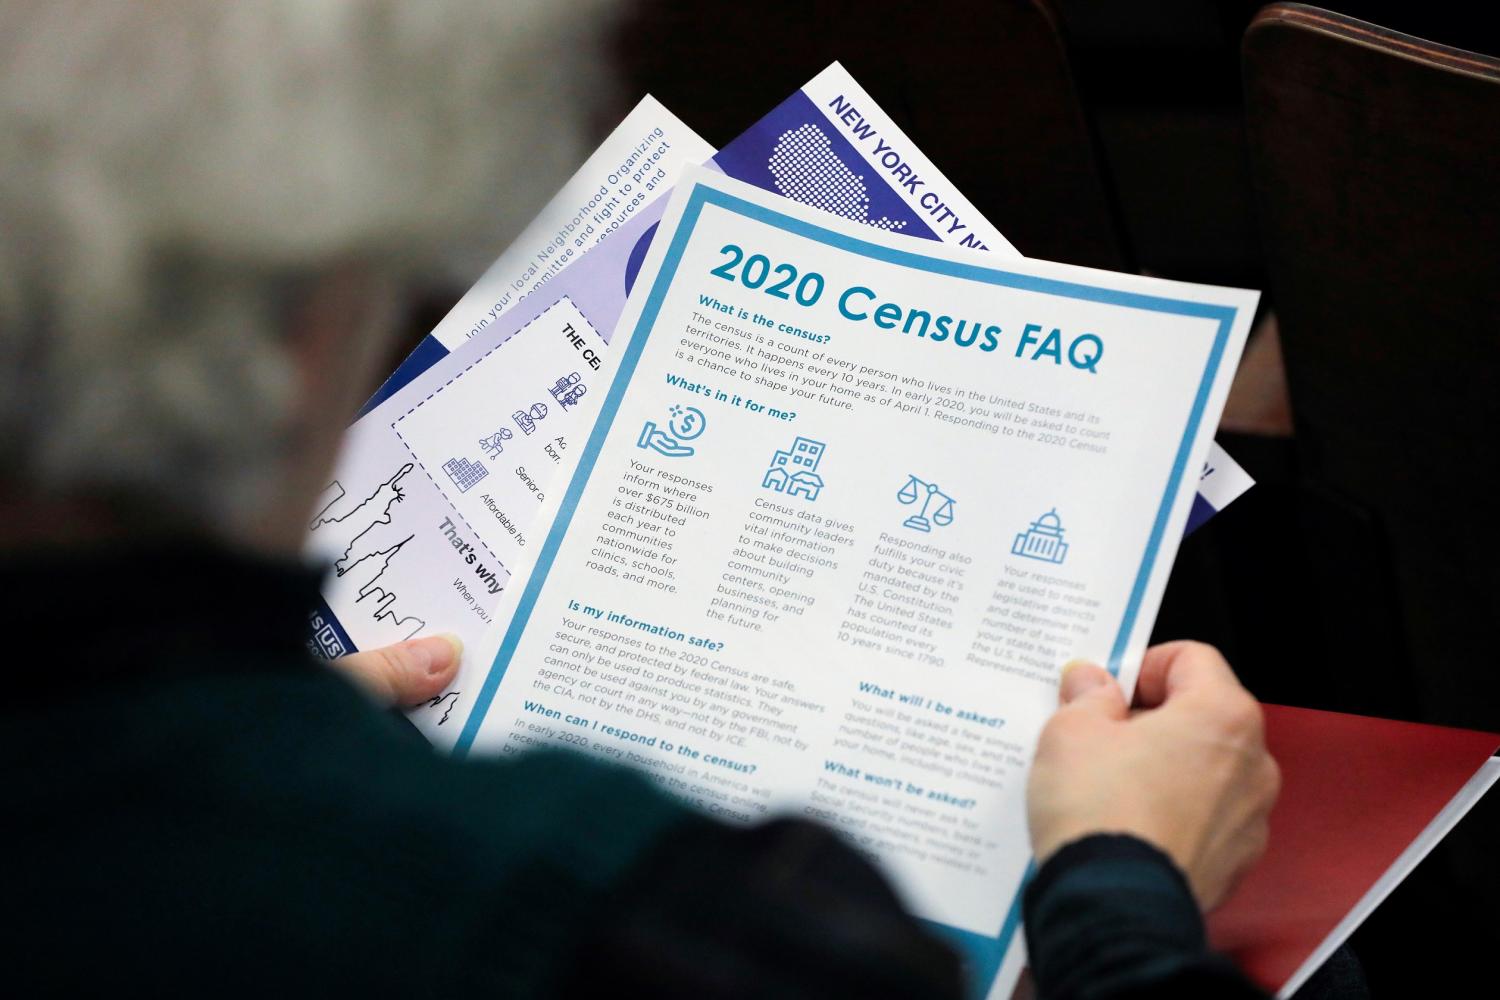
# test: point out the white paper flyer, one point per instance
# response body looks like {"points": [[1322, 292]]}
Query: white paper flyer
{"points": [[849, 503]]}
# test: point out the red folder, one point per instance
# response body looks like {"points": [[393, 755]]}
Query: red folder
{"points": [[1362, 799]]}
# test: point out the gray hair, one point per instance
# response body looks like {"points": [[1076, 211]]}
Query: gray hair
{"points": [[166, 168]]}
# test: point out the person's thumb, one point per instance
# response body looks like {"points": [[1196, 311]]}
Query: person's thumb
{"points": [[407, 673], [1089, 687]]}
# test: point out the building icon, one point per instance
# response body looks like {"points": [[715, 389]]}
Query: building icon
{"points": [[464, 473], [795, 470], [1043, 540]]}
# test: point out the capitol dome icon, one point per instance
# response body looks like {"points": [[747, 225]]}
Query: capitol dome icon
{"points": [[1043, 541]]}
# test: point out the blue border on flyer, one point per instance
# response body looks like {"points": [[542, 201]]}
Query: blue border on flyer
{"points": [[983, 954]]}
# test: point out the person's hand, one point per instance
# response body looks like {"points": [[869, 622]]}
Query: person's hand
{"points": [[1188, 771], [406, 674]]}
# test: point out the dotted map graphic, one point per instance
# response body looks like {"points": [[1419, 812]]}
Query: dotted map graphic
{"points": [[806, 169]]}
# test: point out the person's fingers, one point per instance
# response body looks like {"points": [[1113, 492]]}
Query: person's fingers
{"points": [[407, 673], [1178, 667], [1088, 687], [1151, 683]]}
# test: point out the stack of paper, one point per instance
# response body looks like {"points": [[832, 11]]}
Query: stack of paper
{"points": [[787, 480]]}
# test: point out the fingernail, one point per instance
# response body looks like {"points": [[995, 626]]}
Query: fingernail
{"points": [[425, 655], [1077, 682], [456, 645], [433, 654]]}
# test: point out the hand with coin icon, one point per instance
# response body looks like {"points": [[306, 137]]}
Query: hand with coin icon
{"points": [[686, 423]]}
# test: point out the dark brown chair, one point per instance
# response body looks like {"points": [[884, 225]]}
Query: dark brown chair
{"points": [[1376, 162]]}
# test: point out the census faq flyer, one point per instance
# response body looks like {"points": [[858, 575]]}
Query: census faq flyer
{"points": [[849, 503]]}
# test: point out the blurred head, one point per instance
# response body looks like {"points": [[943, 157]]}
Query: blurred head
{"points": [[207, 212]]}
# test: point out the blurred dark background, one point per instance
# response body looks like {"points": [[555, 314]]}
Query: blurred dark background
{"points": [[1152, 136]]}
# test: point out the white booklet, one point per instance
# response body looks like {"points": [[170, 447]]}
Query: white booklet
{"points": [[849, 501]]}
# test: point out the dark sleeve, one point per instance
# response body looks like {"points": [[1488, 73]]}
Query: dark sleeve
{"points": [[784, 910], [1110, 917]]}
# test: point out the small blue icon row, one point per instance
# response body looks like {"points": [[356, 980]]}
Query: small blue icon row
{"points": [[1043, 541], [794, 473]]}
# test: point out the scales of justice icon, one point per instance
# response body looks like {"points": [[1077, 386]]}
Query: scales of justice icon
{"points": [[929, 494]]}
